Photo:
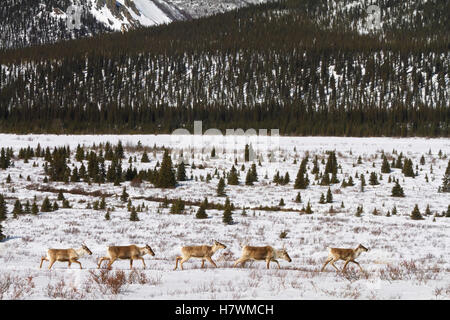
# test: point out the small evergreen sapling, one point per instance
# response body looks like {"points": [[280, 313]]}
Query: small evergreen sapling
{"points": [[34, 208], [201, 212], [397, 190], [415, 214], [3, 208], [134, 215], [308, 209], [46, 205], [322, 199], [18, 209], [221, 188], [124, 196], [329, 196], [227, 217], [2, 236]]}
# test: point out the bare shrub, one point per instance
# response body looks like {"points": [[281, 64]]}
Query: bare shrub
{"points": [[137, 276], [136, 182], [109, 282], [61, 290], [391, 273], [15, 287], [351, 274]]}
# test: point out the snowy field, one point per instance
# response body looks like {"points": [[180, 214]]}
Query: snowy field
{"points": [[408, 259]]}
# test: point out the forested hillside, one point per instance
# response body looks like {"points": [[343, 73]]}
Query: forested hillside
{"points": [[24, 23], [306, 67]]}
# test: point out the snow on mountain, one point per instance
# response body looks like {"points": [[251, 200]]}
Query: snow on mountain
{"points": [[24, 23], [130, 13]]}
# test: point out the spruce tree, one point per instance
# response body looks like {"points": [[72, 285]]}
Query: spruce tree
{"points": [[34, 208], [66, 204], [315, 166], [422, 160], [2, 236], [181, 172], [362, 183], [408, 169], [107, 215], [308, 209], [397, 190], [281, 204], [322, 199], [201, 212], [446, 180], [134, 215], [415, 214], [373, 179], [18, 209], [329, 196], [302, 181], [249, 178], [331, 166], [394, 210], [177, 207], [254, 173], [221, 188], [359, 211], [46, 205], [325, 180], [298, 198], [145, 158], [3, 208], [124, 196], [227, 217], [350, 182], [27, 207], [233, 178], [385, 167], [166, 175], [102, 205], [287, 179]]}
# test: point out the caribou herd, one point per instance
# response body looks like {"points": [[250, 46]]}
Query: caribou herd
{"points": [[204, 252]]}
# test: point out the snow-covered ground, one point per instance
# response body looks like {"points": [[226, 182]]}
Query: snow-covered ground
{"points": [[407, 259]]}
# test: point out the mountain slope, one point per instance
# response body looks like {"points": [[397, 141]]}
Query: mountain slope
{"points": [[24, 23]]}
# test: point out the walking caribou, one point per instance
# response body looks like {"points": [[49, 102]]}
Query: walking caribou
{"points": [[131, 252], [65, 255], [349, 255], [266, 253], [202, 252]]}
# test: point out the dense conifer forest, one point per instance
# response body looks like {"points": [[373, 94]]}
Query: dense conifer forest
{"points": [[303, 67]]}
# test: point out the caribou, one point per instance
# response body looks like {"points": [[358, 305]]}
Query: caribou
{"points": [[266, 253], [203, 252], [131, 252], [65, 255], [348, 255]]}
